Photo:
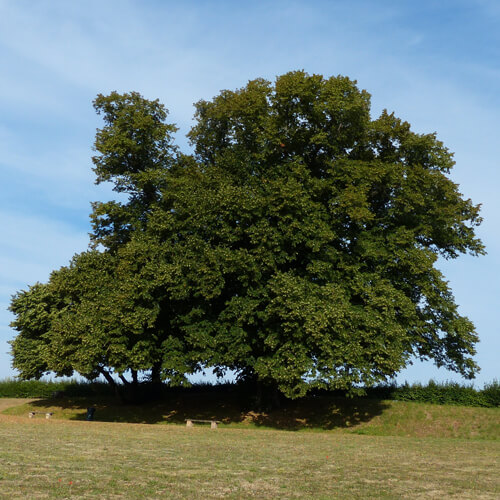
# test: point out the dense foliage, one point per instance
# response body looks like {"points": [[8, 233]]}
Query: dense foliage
{"points": [[296, 246]]}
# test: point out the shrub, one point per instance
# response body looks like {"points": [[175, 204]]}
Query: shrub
{"points": [[12, 388], [491, 393], [449, 393]]}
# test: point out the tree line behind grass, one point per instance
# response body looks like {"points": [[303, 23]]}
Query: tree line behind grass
{"points": [[447, 393], [297, 247]]}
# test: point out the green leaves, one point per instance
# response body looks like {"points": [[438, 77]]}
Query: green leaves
{"points": [[298, 246], [343, 218], [135, 152]]}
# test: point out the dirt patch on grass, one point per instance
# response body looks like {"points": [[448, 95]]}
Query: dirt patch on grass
{"points": [[10, 402]]}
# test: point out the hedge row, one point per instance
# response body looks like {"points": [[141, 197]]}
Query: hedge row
{"points": [[11, 388], [449, 393]]}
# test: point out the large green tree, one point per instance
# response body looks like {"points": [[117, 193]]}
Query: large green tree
{"points": [[298, 245], [136, 152], [307, 236], [105, 313]]}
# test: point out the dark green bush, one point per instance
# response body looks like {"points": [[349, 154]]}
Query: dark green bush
{"points": [[12, 388], [491, 393], [447, 393]]}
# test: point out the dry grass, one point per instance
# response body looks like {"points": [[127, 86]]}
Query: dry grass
{"points": [[13, 402], [72, 459]]}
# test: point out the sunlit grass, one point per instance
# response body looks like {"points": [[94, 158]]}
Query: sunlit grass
{"points": [[61, 459]]}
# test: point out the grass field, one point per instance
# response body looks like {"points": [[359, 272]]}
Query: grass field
{"points": [[76, 459]]}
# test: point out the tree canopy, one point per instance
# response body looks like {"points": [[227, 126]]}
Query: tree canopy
{"points": [[297, 245]]}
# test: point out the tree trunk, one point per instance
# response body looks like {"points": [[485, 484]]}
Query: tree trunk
{"points": [[264, 395], [111, 381], [155, 374], [108, 377]]}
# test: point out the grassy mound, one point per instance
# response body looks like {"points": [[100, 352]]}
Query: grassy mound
{"points": [[358, 415]]}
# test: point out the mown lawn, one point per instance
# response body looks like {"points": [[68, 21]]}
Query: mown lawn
{"points": [[73, 459]]}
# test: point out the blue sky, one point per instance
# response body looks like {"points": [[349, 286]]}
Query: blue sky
{"points": [[435, 64]]}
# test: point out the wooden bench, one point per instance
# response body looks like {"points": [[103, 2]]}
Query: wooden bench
{"points": [[213, 423], [47, 414]]}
